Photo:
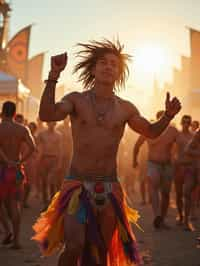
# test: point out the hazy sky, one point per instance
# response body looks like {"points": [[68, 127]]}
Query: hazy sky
{"points": [[60, 24]]}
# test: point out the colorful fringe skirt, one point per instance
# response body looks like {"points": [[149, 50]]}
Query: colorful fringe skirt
{"points": [[75, 198], [12, 182]]}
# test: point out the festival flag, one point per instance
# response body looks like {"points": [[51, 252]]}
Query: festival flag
{"points": [[34, 74], [17, 53], [195, 59]]}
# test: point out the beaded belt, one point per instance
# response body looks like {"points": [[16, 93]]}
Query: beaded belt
{"points": [[98, 188]]}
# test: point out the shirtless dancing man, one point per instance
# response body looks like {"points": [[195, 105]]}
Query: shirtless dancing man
{"points": [[12, 136], [159, 170], [90, 214]]}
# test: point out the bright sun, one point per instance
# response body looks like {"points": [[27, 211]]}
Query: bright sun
{"points": [[149, 59]]}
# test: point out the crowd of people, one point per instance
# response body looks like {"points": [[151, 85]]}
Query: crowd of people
{"points": [[71, 167], [171, 158], [41, 169]]}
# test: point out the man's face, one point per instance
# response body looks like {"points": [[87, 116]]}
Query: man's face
{"points": [[106, 69], [186, 122]]}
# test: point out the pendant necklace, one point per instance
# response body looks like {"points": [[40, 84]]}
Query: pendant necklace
{"points": [[101, 114]]}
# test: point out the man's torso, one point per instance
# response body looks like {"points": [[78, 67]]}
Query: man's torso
{"points": [[50, 142], [159, 150], [95, 143]]}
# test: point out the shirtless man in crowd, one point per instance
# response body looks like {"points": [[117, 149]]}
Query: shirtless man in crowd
{"points": [[159, 170], [12, 136], [192, 154], [49, 143], [141, 171], [94, 201], [183, 172], [31, 169]]}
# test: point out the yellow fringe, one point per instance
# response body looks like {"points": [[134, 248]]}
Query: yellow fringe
{"points": [[74, 202]]}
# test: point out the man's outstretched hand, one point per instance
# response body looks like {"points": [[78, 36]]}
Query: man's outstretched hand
{"points": [[172, 106], [58, 64]]}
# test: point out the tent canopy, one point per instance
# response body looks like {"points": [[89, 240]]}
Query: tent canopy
{"points": [[11, 87]]}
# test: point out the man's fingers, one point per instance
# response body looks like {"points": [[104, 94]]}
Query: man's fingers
{"points": [[167, 97], [59, 59], [175, 101]]}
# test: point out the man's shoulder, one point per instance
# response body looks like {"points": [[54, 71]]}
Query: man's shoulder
{"points": [[72, 96], [21, 129], [127, 105]]}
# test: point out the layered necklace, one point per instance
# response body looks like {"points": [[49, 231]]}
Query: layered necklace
{"points": [[101, 114]]}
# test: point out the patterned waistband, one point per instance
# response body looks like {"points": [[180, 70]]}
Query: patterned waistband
{"points": [[92, 178]]}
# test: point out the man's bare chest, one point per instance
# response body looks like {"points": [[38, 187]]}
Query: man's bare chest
{"points": [[109, 115]]}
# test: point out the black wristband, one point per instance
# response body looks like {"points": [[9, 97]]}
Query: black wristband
{"points": [[168, 116]]}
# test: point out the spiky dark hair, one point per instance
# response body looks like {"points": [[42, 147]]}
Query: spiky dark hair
{"points": [[93, 51]]}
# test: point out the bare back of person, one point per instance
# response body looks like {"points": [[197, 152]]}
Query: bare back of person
{"points": [[99, 140], [160, 148], [11, 139], [12, 136]]}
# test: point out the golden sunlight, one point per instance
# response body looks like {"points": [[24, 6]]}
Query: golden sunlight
{"points": [[150, 59]]}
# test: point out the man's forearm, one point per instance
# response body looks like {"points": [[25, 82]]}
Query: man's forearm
{"points": [[158, 127], [47, 103]]}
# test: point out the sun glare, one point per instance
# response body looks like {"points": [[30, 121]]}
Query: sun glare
{"points": [[149, 59]]}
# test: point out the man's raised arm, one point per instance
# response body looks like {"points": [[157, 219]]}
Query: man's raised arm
{"points": [[49, 110], [153, 130]]}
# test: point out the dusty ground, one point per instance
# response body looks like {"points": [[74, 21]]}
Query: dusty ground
{"points": [[166, 248]]}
